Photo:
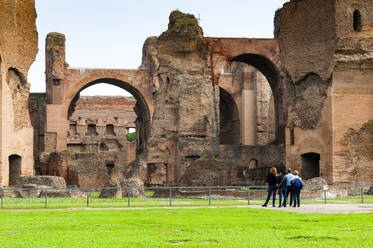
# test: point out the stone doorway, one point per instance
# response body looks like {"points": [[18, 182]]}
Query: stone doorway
{"points": [[229, 120], [310, 165], [15, 163], [110, 168]]}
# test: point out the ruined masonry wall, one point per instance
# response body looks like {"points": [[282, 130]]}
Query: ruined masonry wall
{"points": [[111, 117], [330, 70], [18, 48]]}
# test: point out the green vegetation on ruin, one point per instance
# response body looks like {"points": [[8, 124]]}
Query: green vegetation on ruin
{"points": [[184, 25], [80, 161], [177, 14], [131, 136], [224, 227], [86, 152], [217, 159], [208, 155], [203, 157]]}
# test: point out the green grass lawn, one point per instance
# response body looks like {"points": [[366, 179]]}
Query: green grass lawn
{"points": [[225, 227]]}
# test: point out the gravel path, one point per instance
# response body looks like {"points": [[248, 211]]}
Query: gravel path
{"points": [[307, 208], [325, 208]]}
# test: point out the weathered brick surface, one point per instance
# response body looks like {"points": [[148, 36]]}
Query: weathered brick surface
{"points": [[18, 47], [330, 114]]}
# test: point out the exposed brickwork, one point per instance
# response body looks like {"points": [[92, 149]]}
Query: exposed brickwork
{"points": [[18, 48], [331, 100]]}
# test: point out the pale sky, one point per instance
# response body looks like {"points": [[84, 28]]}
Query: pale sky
{"points": [[111, 33]]}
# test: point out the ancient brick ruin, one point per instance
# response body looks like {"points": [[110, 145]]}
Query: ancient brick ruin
{"points": [[330, 91], [18, 48], [97, 145], [207, 110]]}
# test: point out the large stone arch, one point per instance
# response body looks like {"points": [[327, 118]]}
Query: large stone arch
{"points": [[263, 54], [77, 79], [273, 76], [141, 108]]}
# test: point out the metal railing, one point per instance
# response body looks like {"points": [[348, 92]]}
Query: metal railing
{"points": [[111, 197]]}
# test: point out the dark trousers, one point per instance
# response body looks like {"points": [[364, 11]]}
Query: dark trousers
{"points": [[282, 195], [271, 190], [289, 191], [296, 196]]}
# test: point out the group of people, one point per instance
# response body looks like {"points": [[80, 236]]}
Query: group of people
{"points": [[283, 185]]}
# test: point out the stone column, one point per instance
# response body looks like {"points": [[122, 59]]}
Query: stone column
{"points": [[248, 109]]}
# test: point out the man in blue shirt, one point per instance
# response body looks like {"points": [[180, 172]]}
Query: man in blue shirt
{"points": [[289, 176]]}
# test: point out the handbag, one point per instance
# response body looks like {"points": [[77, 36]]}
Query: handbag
{"points": [[277, 191]]}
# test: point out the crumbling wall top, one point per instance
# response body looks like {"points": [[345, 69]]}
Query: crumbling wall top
{"points": [[55, 39], [18, 35]]}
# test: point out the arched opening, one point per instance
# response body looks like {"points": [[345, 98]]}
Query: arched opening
{"points": [[357, 21], [15, 165], [110, 168], [267, 72], [229, 120], [256, 82], [253, 164], [111, 114], [110, 130], [310, 165], [91, 130], [100, 116]]}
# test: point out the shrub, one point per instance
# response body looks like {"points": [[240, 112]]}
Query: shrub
{"points": [[131, 136]]}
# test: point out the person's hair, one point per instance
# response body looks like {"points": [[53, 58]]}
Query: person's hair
{"points": [[289, 170], [273, 171], [282, 172], [296, 172]]}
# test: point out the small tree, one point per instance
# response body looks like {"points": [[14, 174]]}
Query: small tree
{"points": [[131, 136]]}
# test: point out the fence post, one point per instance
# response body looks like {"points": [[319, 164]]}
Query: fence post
{"points": [[45, 198], [324, 196], [128, 196], [362, 195], [87, 198], [209, 196], [248, 195], [170, 196], [2, 197]]}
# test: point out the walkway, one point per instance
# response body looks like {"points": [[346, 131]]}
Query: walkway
{"points": [[307, 209]]}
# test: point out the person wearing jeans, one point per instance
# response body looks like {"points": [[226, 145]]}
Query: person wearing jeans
{"points": [[297, 187], [271, 183], [281, 188], [289, 177]]}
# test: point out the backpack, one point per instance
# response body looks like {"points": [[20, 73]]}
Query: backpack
{"points": [[297, 183]]}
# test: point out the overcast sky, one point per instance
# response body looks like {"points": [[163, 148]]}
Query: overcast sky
{"points": [[110, 33]]}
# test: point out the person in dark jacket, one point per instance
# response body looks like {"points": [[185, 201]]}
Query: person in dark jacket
{"points": [[281, 182], [289, 190], [271, 183]]}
